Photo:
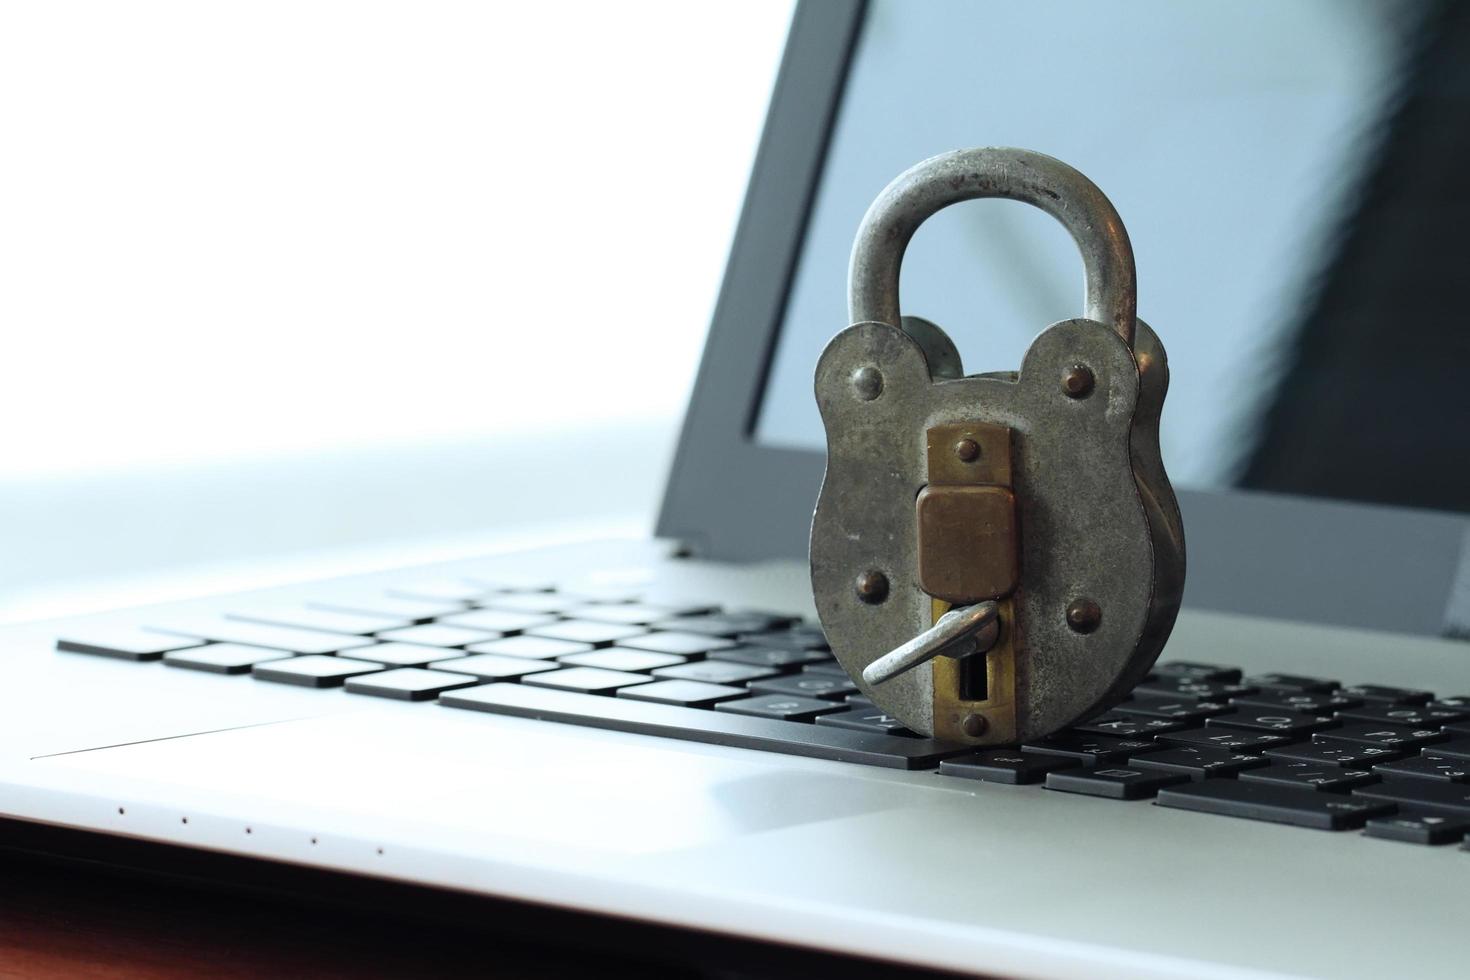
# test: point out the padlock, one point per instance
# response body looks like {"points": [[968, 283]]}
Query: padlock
{"points": [[995, 556]]}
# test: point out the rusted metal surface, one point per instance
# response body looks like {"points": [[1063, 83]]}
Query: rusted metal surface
{"points": [[967, 542], [1095, 515]]}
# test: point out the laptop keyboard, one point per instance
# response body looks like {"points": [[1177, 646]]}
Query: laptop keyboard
{"points": [[1304, 751]]}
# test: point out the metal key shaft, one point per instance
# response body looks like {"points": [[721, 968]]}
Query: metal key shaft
{"points": [[961, 632]]}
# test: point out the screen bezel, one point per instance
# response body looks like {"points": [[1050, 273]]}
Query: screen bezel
{"points": [[730, 498]]}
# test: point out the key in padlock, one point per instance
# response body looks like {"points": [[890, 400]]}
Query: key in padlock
{"points": [[995, 556]]}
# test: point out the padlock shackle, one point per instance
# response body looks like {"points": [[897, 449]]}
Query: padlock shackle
{"points": [[1111, 284]]}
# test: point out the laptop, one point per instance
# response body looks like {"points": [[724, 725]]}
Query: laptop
{"points": [[654, 731]]}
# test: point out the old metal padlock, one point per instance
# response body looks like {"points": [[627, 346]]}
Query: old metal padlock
{"points": [[995, 556]]}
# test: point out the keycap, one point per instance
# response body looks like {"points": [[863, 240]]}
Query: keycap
{"points": [[588, 680], [223, 630], [615, 659], [1225, 738], [1310, 775], [728, 625], [324, 620], [783, 706], [382, 604], [795, 638], [683, 644], [628, 613], [1292, 683], [777, 657], [1288, 723], [1347, 755], [314, 670], [1420, 795], [436, 635], [1419, 828], [121, 642], [714, 672], [579, 631], [497, 622], [859, 699], [1451, 703], [828, 667], [1277, 804], [691, 694], [1005, 766], [494, 667], [1383, 736], [1184, 689], [1197, 762], [440, 590], [531, 602], [865, 720], [1455, 748], [529, 647], [1390, 695], [1185, 670], [1127, 726], [399, 654], [1457, 728], [1112, 782], [1091, 750], [806, 685], [1309, 704], [698, 725], [222, 658], [1408, 715], [409, 683], [1189, 711], [1437, 767]]}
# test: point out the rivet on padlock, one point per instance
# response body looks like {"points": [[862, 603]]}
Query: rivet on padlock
{"points": [[1026, 535]]}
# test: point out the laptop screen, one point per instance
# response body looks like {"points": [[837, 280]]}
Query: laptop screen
{"points": [[1258, 153]]}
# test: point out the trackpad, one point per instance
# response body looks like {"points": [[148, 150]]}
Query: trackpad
{"points": [[433, 771]]}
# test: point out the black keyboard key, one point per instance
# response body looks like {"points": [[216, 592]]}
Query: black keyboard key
{"points": [[690, 694], [1186, 711], [529, 647], [1437, 767], [1250, 743], [1287, 723], [1185, 670], [581, 631], [1455, 748], [806, 685], [494, 667], [1177, 689], [1307, 704], [1419, 828], [782, 706], [796, 638], [1005, 766], [1091, 750], [323, 620], [315, 670], [1198, 762], [1347, 755], [122, 642], [436, 635], [1121, 725], [697, 725], [1387, 695], [728, 625], [780, 658], [715, 672], [1113, 782], [1292, 683], [222, 658], [1457, 728], [1277, 804], [1310, 776], [829, 667], [1407, 715], [1383, 736], [1452, 703], [586, 680], [633, 661], [223, 630], [865, 720], [1421, 795], [683, 644], [862, 700], [497, 622], [409, 683]]}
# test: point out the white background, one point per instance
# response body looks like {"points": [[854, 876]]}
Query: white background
{"points": [[278, 276]]}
